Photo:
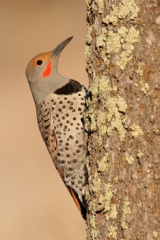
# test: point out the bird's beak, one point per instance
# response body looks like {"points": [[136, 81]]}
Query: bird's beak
{"points": [[61, 46]]}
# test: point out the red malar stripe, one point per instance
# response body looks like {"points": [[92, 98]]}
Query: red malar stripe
{"points": [[47, 71]]}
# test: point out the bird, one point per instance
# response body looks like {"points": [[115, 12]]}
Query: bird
{"points": [[60, 104]]}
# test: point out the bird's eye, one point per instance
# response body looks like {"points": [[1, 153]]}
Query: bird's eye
{"points": [[39, 62]]}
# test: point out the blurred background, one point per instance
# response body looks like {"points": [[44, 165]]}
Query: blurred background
{"points": [[34, 203]]}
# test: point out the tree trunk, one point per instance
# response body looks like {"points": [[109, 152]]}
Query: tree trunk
{"points": [[123, 65]]}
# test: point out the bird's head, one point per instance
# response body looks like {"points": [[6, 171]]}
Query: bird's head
{"points": [[42, 73]]}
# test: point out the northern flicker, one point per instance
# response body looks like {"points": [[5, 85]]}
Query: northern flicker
{"points": [[60, 104]]}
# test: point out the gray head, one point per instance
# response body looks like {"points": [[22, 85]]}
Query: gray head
{"points": [[42, 73]]}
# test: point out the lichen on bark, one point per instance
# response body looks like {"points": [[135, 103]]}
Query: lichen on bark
{"points": [[122, 119]]}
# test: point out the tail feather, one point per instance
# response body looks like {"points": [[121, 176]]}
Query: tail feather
{"points": [[81, 205]]}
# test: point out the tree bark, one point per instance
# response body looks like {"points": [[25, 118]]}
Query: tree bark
{"points": [[123, 119]]}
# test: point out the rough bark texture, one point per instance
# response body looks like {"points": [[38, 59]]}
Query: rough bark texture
{"points": [[123, 117]]}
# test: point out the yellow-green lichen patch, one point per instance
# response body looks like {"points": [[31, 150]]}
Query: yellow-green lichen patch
{"points": [[139, 204], [105, 201], [136, 131], [106, 198], [103, 163], [144, 87], [123, 41], [90, 125], [101, 124], [93, 123], [93, 88], [129, 158], [87, 51], [116, 179], [128, 38], [140, 69], [113, 212], [156, 128], [113, 42], [139, 153], [100, 4], [89, 36], [101, 39], [121, 104], [115, 106], [124, 9], [112, 231], [125, 211], [92, 207], [94, 234], [155, 234], [96, 183], [92, 220], [104, 86], [103, 55]]}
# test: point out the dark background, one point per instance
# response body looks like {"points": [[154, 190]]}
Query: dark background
{"points": [[34, 204]]}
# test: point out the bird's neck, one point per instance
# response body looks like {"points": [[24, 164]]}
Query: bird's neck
{"points": [[44, 87]]}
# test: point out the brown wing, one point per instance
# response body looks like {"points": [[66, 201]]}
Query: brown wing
{"points": [[45, 121]]}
